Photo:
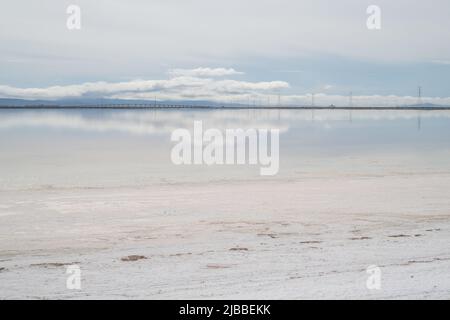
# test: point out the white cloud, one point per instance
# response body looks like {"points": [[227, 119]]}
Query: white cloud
{"points": [[204, 72], [323, 99], [444, 62], [196, 88], [176, 88]]}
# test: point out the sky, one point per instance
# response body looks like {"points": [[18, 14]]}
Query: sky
{"points": [[227, 51]]}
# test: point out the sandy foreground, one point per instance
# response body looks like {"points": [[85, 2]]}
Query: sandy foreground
{"points": [[311, 238]]}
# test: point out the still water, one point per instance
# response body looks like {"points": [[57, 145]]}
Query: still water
{"points": [[45, 149]]}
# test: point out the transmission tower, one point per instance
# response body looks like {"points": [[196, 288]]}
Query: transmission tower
{"points": [[419, 95]]}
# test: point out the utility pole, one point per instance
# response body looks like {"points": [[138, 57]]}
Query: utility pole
{"points": [[350, 99], [312, 99]]}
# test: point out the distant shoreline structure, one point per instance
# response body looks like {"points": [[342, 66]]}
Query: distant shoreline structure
{"points": [[167, 106]]}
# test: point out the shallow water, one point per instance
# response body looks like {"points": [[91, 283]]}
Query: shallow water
{"points": [[354, 190], [45, 149]]}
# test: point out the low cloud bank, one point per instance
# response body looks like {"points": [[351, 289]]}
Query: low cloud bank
{"points": [[206, 84]]}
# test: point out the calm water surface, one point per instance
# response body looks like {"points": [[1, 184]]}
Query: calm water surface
{"points": [[121, 148]]}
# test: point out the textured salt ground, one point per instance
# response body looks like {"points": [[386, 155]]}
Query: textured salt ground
{"points": [[278, 240]]}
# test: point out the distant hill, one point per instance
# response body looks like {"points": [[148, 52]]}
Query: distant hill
{"points": [[87, 101]]}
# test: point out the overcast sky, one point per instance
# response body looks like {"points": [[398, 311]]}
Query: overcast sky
{"points": [[207, 49]]}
